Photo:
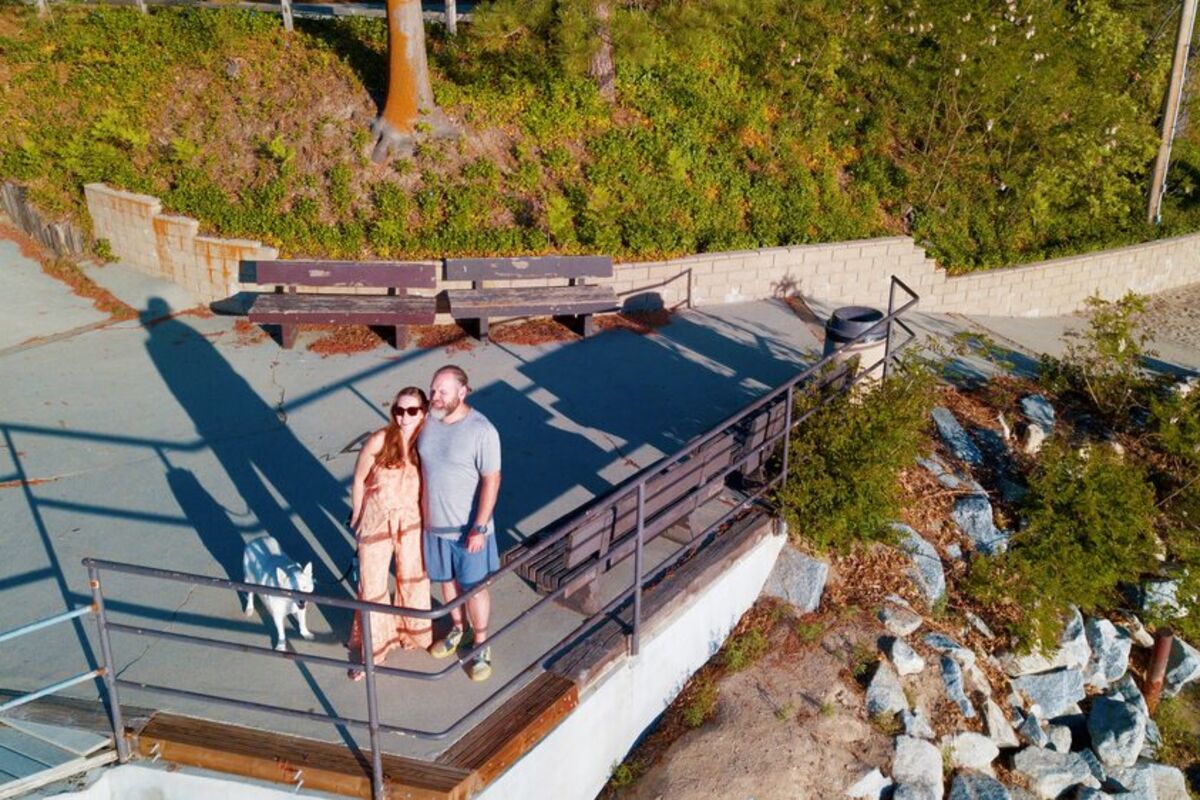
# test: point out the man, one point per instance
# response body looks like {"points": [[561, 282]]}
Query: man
{"points": [[460, 465]]}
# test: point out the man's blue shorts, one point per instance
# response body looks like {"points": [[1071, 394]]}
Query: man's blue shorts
{"points": [[447, 559]]}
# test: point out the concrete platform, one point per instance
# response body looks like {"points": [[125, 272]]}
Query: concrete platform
{"points": [[170, 443]]}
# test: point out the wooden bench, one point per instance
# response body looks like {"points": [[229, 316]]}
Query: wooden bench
{"points": [[576, 299], [396, 309], [605, 534]]}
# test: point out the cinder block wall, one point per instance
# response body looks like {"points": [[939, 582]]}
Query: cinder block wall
{"points": [[142, 236]]}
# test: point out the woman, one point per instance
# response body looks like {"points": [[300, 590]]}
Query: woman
{"points": [[386, 517]]}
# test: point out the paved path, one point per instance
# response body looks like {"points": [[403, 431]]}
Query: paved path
{"points": [[36, 305], [169, 443]]}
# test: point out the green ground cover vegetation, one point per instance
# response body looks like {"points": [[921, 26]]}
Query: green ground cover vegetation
{"points": [[993, 133]]}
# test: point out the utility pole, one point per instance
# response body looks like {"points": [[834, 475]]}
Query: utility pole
{"points": [[1187, 23]]}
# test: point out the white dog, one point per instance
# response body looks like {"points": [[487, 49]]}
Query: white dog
{"points": [[266, 564]]}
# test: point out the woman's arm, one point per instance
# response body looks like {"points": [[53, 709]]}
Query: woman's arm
{"points": [[362, 468]]}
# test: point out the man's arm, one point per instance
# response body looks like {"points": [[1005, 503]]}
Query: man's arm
{"points": [[489, 490]]}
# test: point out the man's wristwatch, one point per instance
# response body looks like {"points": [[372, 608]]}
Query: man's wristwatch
{"points": [[480, 529]]}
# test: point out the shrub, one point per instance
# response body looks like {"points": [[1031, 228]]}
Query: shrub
{"points": [[743, 649], [1089, 527], [1102, 364], [846, 456], [701, 704]]}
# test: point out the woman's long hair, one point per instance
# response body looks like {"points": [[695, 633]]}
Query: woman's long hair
{"points": [[395, 451]]}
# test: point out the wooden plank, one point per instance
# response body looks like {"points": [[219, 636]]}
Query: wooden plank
{"points": [[535, 300], [496, 269], [341, 309], [70, 712], [515, 728], [379, 274], [19, 765], [276, 757]]}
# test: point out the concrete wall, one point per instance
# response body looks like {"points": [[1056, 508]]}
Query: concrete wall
{"points": [[576, 758], [842, 272], [145, 238]]}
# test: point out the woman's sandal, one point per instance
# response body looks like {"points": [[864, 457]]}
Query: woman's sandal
{"points": [[355, 674]]}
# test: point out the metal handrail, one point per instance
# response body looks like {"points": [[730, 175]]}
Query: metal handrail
{"points": [[634, 485], [67, 683]]}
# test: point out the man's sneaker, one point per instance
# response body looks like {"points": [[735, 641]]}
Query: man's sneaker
{"points": [[481, 665], [449, 645]]}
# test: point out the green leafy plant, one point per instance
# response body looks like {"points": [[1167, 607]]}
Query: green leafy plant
{"points": [[1090, 518], [702, 702], [1103, 362], [743, 649], [846, 455]]}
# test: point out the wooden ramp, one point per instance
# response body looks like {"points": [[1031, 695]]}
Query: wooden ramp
{"points": [[33, 755], [467, 767]]}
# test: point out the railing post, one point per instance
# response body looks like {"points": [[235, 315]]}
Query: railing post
{"points": [[451, 17], [43, 7], [637, 569], [787, 431], [141, 6], [887, 342], [110, 682], [287, 14], [368, 661]]}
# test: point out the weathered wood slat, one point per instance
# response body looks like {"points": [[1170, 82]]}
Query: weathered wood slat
{"points": [[342, 309], [515, 728], [272, 756], [551, 301], [44, 753], [495, 269], [381, 274]]}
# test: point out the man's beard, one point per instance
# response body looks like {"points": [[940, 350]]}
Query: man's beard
{"points": [[448, 408]]}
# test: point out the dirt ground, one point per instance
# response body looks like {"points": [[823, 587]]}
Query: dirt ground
{"points": [[792, 725]]}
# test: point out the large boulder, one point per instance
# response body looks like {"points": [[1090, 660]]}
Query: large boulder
{"points": [[1073, 651], [1118, 732], [952, 676], [905, 659], [917, 764], [926, 572], [899, 618], [998, 726], [1183, 667], [1049, 773], [797, 578], [1160, 598], [1060, 737], [970, 750], [1037, 410], [975, 786], [912, 791], [872, 786], [885, 695], [1110, 653], [973, 515], [1053, 693], [1032, 732], [916, 725], [1127, 691], [949, 647], [1148, 781], [956, 438]]}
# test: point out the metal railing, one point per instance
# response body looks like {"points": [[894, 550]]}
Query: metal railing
{"points": [[635, 487], [32, 627]]}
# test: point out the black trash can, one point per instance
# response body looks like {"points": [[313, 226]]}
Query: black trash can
{"points": [[842, 327]]}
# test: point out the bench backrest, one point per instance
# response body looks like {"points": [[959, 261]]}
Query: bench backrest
{"points": [[349, 274], [534, 267]]}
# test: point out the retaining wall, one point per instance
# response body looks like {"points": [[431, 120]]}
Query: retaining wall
{"points": [[142, 236]]}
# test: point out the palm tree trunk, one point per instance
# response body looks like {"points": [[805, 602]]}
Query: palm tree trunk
{"points": [[600, 66], [408, 90]]}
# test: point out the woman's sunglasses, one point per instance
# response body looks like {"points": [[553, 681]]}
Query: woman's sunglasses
{"points": [[412, 411]]}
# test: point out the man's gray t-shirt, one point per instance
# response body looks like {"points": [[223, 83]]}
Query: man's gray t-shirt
{"points": [[453, 456]]}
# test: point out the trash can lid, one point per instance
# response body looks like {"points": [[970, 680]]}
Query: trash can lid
{"points": [[848, 322]]}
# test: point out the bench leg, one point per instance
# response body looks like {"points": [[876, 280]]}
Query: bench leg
{"points": [[482, 329], [584, 600], [287, 336], [400, 337], [587, 325]]}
